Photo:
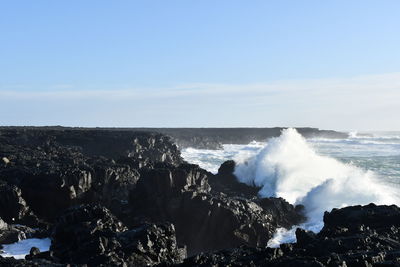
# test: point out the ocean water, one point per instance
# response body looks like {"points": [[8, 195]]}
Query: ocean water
{"points": [[318, 173]]}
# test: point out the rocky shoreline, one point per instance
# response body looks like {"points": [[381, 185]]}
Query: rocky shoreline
{"points": [[203, 138], [127, 198]]}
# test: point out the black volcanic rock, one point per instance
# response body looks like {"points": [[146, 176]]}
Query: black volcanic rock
{"points": [[283, 213], [7, 262], [370, 216], [352, 236], [92, 235], [10, 233], [94, 142], [54, 170], [225, 181], [204, 221], [13, 208]]}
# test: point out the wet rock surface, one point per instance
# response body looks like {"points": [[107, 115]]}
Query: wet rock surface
{"points": [[126, 198]]}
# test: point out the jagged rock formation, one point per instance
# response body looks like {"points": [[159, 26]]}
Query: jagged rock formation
{"points": [[352, 236], [225, 181], [114, 144], [10, 233], [140, 177], [205, 220], [57, 169], [92, 235], [13, 208]]}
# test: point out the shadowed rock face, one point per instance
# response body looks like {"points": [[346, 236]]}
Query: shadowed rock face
{"points": [[13, 208], [225, 181], [207, 219], [352, 236], [92, 235], [11, 233]]}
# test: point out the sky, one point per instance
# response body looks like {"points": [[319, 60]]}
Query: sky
{"points": [[227, 63]]}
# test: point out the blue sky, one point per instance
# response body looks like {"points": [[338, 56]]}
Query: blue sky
{"points": [[327, 64]]}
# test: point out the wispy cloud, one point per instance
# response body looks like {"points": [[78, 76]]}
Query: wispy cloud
{"points": [[329, 103], [390, 83]]}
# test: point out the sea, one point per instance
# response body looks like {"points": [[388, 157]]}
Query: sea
{"points": [[319, 173]]}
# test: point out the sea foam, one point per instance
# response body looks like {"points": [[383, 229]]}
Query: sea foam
{"points": [[290, 168]]}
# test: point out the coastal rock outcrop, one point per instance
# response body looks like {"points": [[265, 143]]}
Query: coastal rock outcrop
{"points": [[92, 235], [53, 170], [11, 233], [13, 208], [205, 220], [352, 236], [225, 181]]}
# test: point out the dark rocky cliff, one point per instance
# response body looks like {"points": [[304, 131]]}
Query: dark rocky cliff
{"points": [[203, 138], [121, 197], [124, 198], [352, 236]]}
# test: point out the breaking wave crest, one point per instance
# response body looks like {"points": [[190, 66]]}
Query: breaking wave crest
{"points": [[290, 168]]}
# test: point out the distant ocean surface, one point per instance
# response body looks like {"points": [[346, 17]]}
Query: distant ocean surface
{"points": [[318, 173]]}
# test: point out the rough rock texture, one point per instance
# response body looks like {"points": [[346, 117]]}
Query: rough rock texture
{"points": [[352, 236], [207, 221], [11, 233], [283, 213], [58, 169], [8, 262], [94, 142], [92, 235], [225, 181], [13, 208]]}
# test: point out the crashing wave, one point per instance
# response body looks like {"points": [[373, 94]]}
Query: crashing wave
{"points": [[290, 168]]}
